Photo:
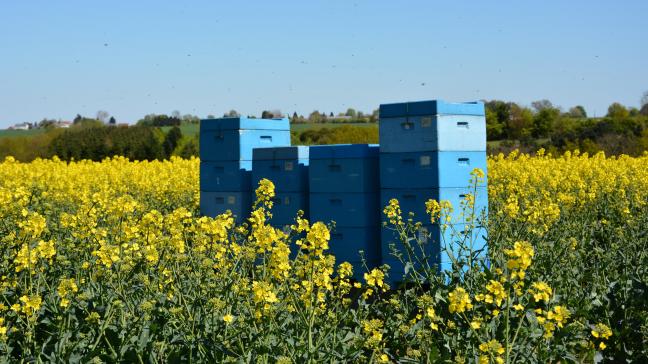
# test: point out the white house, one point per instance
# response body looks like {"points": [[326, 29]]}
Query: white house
{"points": [[21, 126]]}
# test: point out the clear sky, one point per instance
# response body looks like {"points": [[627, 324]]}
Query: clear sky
{"points": [[131, 58]]}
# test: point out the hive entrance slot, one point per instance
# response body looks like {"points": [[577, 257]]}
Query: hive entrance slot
{"points": [[335, 167]]}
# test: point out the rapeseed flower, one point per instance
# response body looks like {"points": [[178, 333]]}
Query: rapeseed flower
{"points": [[459, 301]]}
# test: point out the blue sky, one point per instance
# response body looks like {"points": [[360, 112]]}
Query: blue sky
{"points": [[131, 58]]}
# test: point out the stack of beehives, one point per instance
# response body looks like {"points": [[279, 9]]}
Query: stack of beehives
{"points": [[428, 150]]}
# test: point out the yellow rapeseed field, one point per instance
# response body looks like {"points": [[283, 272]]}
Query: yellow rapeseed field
{"points": [[110, 262]]}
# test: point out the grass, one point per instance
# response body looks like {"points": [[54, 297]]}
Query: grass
{"points": [[189, 130], [5, 133]]}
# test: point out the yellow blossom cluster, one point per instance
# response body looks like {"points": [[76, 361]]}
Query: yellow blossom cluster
{"points": [[601, 332], [538, 190]]}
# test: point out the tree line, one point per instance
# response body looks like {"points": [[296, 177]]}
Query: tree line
{"points": [[623, 130], [135, 142], [511, 126]]}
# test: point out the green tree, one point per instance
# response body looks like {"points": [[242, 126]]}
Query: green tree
{"points": [[577, 112], [46, 123], [171, 141], [266, 114], [494, 128], [98, 142], [188, 147], [544, 121], [617, 111], [520, 122], [351, 113], [541, 105], [315, 117]]}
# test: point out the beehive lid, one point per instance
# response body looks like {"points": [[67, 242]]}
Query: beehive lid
{"points": [[431, 107], [237, 123], [341, 151], [273, 153]]}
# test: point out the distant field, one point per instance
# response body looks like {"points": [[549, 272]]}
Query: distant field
{"points": [[187, 129], [15, 133]]}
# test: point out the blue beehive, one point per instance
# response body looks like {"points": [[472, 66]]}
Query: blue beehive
{"points": [[431, 107], [434, 242], [347, 242], [432, 133], [285, 207], [344, 188], [215, 203], [344, 168], [226, 146], [427, 151], [225, 175], [234, 138], [413, 200], [429, 169], [286, 167], [346, 209]]}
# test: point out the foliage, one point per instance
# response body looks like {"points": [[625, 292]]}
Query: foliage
{"points": [[338, 135], [587, 218], [159, 120], [171, 141], [97, 143], [109, 261], [28, 147], [188, 147], [518, 127]]}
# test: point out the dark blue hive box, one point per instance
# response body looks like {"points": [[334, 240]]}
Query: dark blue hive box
{"points": [[344, 168], [286, 167], [215, 203], [225, 176], [346, 209]]}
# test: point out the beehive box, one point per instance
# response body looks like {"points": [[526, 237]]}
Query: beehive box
{"points": [[225, 176], [413, 200], [344, 168], [286, 167], [429, 169], [347, 242], [346, 209], [230, 139], [285, 207], [431, 107], [432, 133], [433, 240], [215, 203]]}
